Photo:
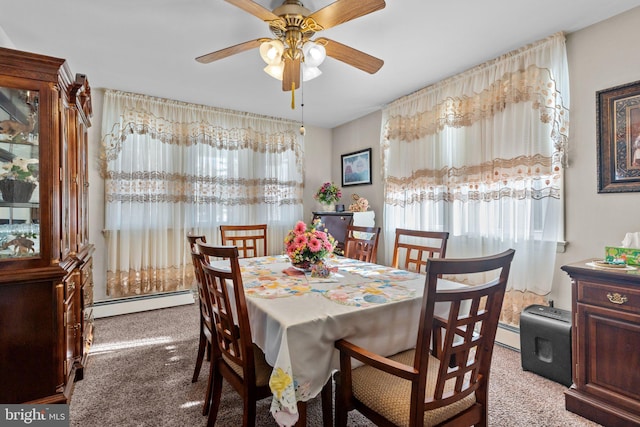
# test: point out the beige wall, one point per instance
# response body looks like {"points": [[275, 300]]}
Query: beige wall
{"points": [[96, 199], [318, 152], [359, 135], [604, 55], [601, 56]]}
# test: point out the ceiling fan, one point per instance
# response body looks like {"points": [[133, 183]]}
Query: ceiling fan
{"points": [[292, 52]]}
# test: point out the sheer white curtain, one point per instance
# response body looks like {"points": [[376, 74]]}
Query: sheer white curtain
{"points": [[172, 167], [481, 155]]}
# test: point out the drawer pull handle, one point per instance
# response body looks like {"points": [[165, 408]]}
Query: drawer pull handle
{"points": [[616, 298]]}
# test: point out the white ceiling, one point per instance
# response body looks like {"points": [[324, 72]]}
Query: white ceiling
{"points": [[150, 46]]}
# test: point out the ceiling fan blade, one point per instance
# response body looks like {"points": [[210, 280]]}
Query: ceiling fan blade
{"points": [[351, 56], [342, 11], [255, 9], [232, 50], [291, 74]]}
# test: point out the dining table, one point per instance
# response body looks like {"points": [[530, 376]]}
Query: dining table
{"points": [[295, 319]]}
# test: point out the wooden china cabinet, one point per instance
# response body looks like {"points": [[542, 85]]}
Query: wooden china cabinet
{"points": [[45, 254], [605, 344]]}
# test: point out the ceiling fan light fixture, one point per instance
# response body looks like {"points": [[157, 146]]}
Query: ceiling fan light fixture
{"points": [[276, 70], [309, 73], [314, 53], [271, 52], [290, 54]]}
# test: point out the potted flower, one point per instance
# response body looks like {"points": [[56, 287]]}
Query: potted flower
{"points": [[328, 195], [306, 245], [18, 180]]}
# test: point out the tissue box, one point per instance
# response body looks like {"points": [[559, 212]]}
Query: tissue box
{"points": [[630, 255]]}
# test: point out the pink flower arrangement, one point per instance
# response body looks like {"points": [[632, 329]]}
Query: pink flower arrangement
{"points": [[308, 243], [328, 194]]}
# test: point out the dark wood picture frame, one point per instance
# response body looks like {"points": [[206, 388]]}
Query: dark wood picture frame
{"points": [[356, 168], [618, 112]]}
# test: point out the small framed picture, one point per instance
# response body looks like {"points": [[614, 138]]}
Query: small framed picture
{"points": [[356, 168], [618, 112]]}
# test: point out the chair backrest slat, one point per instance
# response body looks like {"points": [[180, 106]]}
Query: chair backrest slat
{"points": [[193, 240], [417, 246], [251, 240], [361, 243], [198, 260]]}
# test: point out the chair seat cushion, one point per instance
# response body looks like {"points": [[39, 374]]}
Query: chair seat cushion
{"points": [[390, 396], [263, 370]]}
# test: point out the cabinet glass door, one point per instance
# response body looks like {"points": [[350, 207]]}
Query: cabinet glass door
{"points": [[19, 173]]}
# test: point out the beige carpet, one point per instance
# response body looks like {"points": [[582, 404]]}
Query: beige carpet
{"points": [[141, 365]]}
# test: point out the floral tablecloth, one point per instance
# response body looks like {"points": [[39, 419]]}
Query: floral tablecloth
{"points": [[295, 319]]}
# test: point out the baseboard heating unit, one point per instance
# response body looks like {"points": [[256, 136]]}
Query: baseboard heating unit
{"points": [[117, 306]]}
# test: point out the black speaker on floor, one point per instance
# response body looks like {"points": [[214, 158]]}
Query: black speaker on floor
{"points": [[545, 342]]}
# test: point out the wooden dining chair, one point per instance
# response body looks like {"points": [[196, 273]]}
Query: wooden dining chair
{"points": [[251, 240], [361, 243], [416, 246], [206, 327], [441, 385], [235, 357]]}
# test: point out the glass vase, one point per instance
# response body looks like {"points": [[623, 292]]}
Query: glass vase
{"points": [[304, 266]]}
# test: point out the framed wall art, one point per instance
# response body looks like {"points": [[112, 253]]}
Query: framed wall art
{"points": [[356, 168], [618, 112]]}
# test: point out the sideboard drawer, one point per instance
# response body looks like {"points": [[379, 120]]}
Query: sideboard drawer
{"points": [[614, 297]]}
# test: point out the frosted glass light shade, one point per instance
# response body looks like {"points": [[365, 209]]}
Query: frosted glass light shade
{"points": [[271, 51], [276, 71], [309, 73], [314, 54]]}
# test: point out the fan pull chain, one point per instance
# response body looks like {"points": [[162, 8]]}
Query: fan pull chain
{"points": [[302, 129], [293, 96]]}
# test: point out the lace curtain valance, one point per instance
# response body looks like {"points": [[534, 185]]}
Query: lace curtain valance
{"points": [[481, 155], [171, 167]]}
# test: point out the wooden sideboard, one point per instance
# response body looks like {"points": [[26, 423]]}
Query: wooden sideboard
{"points": [[605, 344], [337, 222]]}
